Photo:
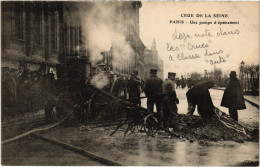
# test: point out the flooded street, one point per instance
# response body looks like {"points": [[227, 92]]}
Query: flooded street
{"points": [[74, 73], [172, 152], [137, 149], [143, 150], [249, 116]]}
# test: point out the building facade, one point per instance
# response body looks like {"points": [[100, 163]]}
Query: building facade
{"points": [[31, 34], [41, 35], [153, 60], [127, 21]]}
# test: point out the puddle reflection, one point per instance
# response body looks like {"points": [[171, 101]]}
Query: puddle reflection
{"points": [[174, 152]]}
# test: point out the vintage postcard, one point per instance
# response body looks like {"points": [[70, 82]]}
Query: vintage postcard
{"points": [[132, 83]]}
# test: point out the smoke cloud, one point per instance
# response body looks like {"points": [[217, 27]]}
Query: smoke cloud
{"points": [[100, 80], [105, 25]]}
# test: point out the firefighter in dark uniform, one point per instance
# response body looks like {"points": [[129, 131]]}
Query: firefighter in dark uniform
{"points": [[170, 99], [153, 91], [134, 88]]}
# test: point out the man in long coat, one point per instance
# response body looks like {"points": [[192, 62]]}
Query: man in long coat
{"points": [[170, 99], [50, 91], [178, 83], [199, 95], [33, 92], [183, 82], [233, 97], [153, 91], [134, 88]]}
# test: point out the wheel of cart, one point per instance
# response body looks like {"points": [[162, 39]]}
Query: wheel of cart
{"points": [[150, 125], [102, 107], [135, 120]]}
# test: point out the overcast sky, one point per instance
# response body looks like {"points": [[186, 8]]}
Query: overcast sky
{"points": [[240, 44]]}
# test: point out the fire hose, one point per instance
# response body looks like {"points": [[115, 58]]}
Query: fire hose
{"points": [[127, 103], [44, 128], [143, 97]]}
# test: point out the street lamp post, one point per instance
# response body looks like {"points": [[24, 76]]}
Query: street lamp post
{"points": [[242, 74], [206, 73]]}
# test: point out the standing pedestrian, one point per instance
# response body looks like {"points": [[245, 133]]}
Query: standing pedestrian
{"points": [[49, 94], [34, 92], [183, 82], [153, 91], [170, 99], [23, 94], [5, 77], [189, 83], [134, 88], [178, 83], [233, 96]]}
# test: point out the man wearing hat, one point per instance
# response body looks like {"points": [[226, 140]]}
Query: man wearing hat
{"points": [[169, 99], [233, 96], [153, 91], [134, 88], [49, 94], [33, 92], [6, 89]]}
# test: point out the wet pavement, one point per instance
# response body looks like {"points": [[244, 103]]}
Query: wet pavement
{"points": [[137, 148], [143, 150], [254, 99], [249, 116], [32, 151]]}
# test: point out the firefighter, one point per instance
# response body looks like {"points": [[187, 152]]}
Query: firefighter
{"points": [[170, 99], [199, 95], [49, 94], [233, 96], [134, 88], [153, 91]]}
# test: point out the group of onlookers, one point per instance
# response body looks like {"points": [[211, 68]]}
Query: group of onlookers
{"points": [[26, 91]]}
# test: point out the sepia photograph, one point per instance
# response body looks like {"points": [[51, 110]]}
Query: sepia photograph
{"points": [[130, 83]]}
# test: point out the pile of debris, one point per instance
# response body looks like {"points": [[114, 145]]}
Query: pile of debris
{"points": [[193, 128], [211, 129], [139, 119]]}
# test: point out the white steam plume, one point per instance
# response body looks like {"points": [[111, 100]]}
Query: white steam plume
{"points": [[104, 27], [100, 80]]}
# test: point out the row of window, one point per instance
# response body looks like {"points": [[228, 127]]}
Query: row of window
{"points": [[17, 20], [44, 22], [73, 39], [38, 18]]}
